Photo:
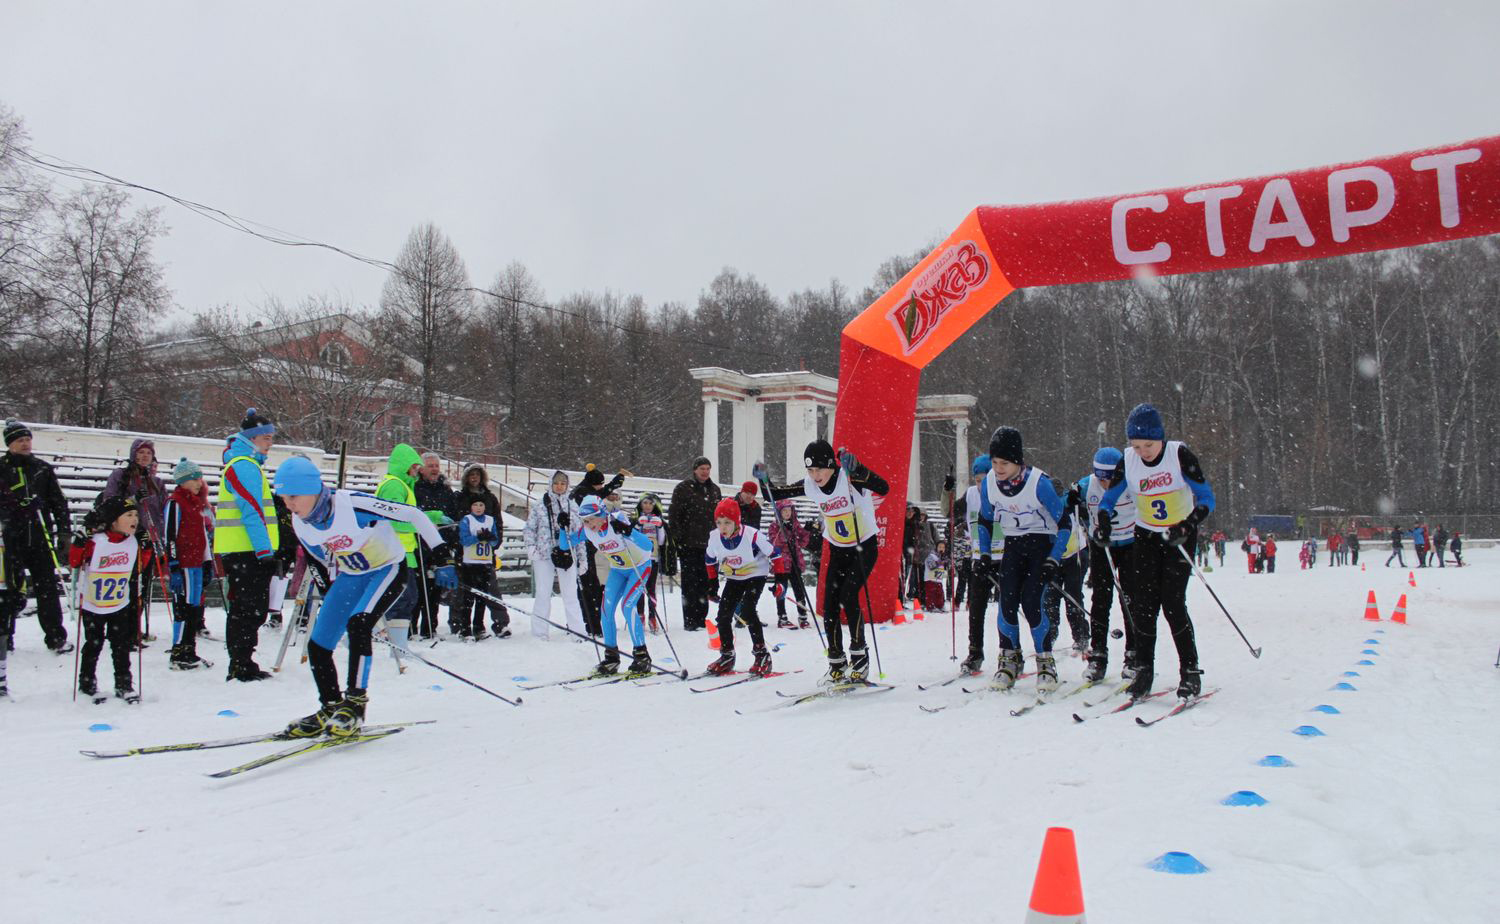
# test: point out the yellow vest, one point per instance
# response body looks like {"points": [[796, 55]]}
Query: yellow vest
{"points": [[407, 536], [229, 531]]}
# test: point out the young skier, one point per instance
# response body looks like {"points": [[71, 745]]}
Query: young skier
{"points": [[789, 538], [1109, 560], [186, 520], [844, 492], [986, 543], [107, 592], [478, 536], [1037, 525], [650, 524], [1172, 498], [629, 557], [746, 556], [352, 532]]}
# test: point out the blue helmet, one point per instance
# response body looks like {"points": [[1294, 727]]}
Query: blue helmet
{"points": [[592, 507], [1106, 461], [298, 475], [981, 465]]}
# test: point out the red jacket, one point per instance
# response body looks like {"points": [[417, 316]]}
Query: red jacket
{"points": [[187, 528]]}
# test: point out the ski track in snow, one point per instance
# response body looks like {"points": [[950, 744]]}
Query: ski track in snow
{"points": [[655, 804]]}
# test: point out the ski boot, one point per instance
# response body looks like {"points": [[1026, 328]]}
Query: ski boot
{"points": [[859, 665], [973, 665], [479, 634], [1140, 683], [274, 621], [803, 623], [725, 664], [348, 717], [4, 690], [1046, 672], [1191, 683], [245, 671], [610, 665], [640, 662], [1098, 664], [783, 622], [312, 726], [762, 665], [1127, 669], [501, 631], [1081, 645], [126, 691], [1008, 668], [87, 686], [182, 660], [836, 669]]}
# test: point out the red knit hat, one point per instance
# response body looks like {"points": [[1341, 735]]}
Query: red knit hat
{"points": [[750, 488], [729, 509]]}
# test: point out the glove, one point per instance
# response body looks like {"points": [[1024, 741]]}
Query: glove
{"points": [[485, 535], [1051, 572], [778, 590], [80, 539], [623, 529], [1177, 533], [175, 583], [446, 577], [564, 520], [847, 461], [985, 566], [1104, 527], [713, 593], [758, 471], [949, 483]]}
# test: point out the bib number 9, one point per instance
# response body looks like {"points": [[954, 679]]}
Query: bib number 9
{"points": [[619, 561]]}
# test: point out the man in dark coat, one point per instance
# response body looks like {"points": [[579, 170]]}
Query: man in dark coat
{"points": [[691, 518], [433, 493], [36, 524]]}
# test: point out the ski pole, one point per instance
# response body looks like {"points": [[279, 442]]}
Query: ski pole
{"points": [[1120, 588], [799, 589], [680, 674], [1194, 565], [68, 593], [668, 636], [438, 667]]}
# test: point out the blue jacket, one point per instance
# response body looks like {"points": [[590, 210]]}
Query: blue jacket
{"points": [[247, 485]]}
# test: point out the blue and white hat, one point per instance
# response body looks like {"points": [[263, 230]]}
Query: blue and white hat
{"points": [[1106, 461], [298, 475], [591, 507]]}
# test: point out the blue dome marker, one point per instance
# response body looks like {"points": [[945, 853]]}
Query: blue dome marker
{"points": [[1379, 631], [1369, 651], [1274, 760], [1308, 731], [1342, 686], [229, 713], [1326, 710], [1175, 861], [101, 727], [1244, 797], [1372, 641], [519, 678], [435, 687], [1365, 663], [1351, 673]]}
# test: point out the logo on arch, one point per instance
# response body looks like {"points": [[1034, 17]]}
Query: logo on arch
{"points": [[943, 286]]}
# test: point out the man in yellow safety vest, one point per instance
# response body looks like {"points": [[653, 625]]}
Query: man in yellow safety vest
{"points": [[246, 537]]}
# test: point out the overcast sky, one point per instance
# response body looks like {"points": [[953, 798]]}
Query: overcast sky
{"points": [[643, 146]]}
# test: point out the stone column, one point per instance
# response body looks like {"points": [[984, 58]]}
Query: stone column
{"points": [[749, 437], [914, 477], [961, 452], [711, 432], [801, 429]]}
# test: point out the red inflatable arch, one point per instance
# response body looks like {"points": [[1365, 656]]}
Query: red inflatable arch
{"points": [[1417, 198]]}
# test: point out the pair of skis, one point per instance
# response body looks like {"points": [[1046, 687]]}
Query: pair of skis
{"points": [[307, 746], [843, 689]]}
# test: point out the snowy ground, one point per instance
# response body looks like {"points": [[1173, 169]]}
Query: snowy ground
{"points": [[655, 804]]}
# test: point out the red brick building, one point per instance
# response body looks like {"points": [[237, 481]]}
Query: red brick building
{"points": [[322, 380]]}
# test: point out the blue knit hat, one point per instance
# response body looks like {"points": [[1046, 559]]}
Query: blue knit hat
{"points": [[298, 475], [1106, 461], [1144, 423], [185, 471], [981, 465]]}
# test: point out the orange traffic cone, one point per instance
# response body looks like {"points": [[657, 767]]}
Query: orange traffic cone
{"points": [[919, 615], [1057, 896], [713, 633], [1411, 578], [1371, 614], [1400, 614], [1361, 566], [898, 616]]}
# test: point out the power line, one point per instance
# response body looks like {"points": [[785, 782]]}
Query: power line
{"points": [[64, 167]]}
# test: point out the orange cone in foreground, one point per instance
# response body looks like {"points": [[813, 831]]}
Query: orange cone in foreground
{"points": [[1057, 896], [1371, 614], [1411, 578], [1400, 614], [713, 632]]}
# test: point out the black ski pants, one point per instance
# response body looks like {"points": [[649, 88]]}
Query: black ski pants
{"points": [[740, 597], [1021, 590], [1102, 583], [471, 607], [120, 629], [590, 591], [982, 581], [1071, 575], [33, 558], [249, 600], [694, 587], [848, 570], [1160, 586]]}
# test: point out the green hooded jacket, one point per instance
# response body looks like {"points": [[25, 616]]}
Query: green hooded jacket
{"points": [[397, 486]]}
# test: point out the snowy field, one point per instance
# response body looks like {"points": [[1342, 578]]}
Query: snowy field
{"points": [[655, 804]]}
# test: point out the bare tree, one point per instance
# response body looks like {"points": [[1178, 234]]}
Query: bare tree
{"points": [[426, 303]]}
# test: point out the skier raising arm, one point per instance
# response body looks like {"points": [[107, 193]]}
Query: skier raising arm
{"points": [[353, 533], [629, 555], [844, 492], [1172, 498]]}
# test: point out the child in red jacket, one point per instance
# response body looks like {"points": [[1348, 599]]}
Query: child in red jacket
{"points": [[109, 559], [186, 519]]}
